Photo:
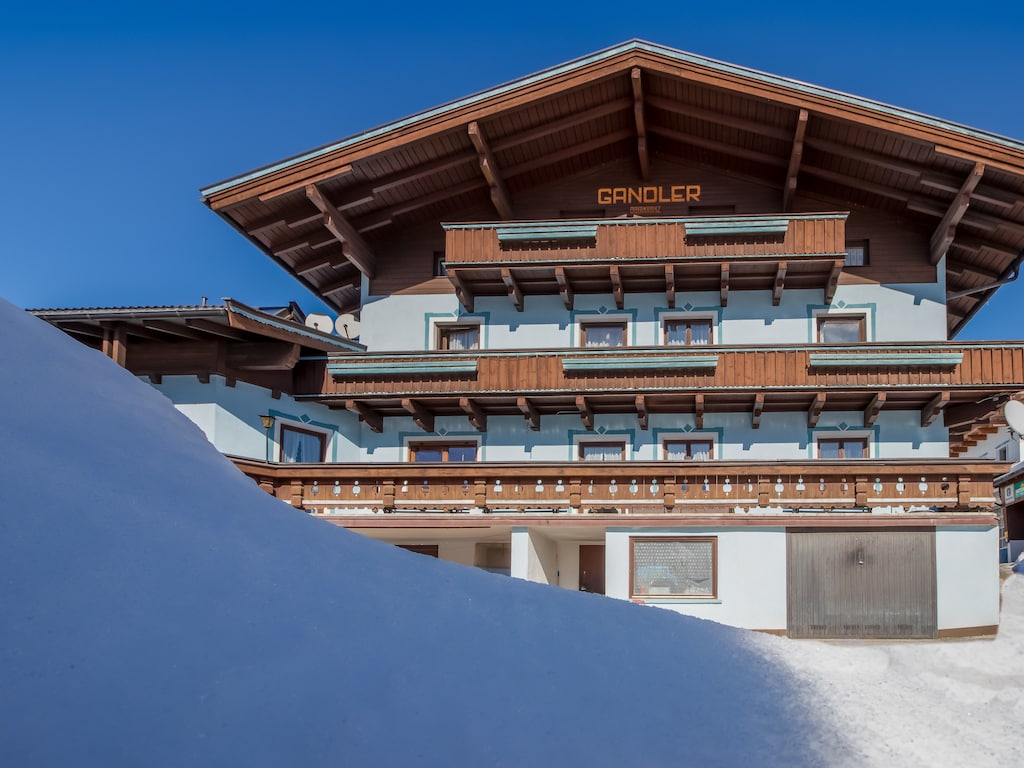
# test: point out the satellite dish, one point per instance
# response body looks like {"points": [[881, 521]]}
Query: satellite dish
{"points": [[319, 322], [1013, 412], [347, 326]]}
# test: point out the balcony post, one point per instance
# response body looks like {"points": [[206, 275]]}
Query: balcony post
{"points": [[387, 494], [296, 494], [575, 492], [861, 486], [963, 490], [669, 494], [764, 491], [480, 493]]}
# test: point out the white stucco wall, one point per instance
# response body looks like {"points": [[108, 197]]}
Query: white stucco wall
{"points": [[911, 312], [967, 577], [229, 416], [989, 446], [534, 556], [751, 575]]}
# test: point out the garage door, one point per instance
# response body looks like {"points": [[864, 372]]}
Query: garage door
{"points": [[861, 583]]}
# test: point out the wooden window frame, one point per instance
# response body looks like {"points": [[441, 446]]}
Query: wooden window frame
{"points": [[688, 441], [444, 446], [620, 444], [713, 540], [864, 440], [623, 325], [321, 436], [443, 331], [688, 321], [824, 320]]}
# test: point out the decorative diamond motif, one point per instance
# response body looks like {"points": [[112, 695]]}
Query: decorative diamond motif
{"points": [[602, 430], [305, 419], [688, 428], [688, 306], [844, 426], [841, 304]]}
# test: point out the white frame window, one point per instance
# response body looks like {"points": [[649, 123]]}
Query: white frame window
{"points": [[445, 331], [843, 443], [293, 449], [685, 330]]}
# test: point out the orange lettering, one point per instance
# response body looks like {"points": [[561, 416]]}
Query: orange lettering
{"points": [[604, 196], [693, 193]]}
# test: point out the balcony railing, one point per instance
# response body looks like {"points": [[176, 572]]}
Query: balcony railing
{"points": [[642, 254], [637, 488]]}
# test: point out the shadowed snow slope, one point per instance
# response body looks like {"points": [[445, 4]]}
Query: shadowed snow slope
{"points": [[158, 609]]}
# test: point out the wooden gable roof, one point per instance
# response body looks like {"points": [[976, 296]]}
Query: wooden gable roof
{"points": [[319, 214]]}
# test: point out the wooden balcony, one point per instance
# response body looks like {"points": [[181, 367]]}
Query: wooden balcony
{"points": [[695, 380], [628, 488], [618, 256]]}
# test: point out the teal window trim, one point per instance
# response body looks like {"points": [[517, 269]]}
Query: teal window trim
{"points": [[717, 435], [871, 433], [404, 438], [841, 360], [868, 309], [583, 316], [332, 430], [661, 314], [432, 319], [607, 436], [736, 226], [619, 362]]}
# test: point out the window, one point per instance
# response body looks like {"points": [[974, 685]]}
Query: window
{"points": [[610, 451], [440, 266], [437, 451], [688, 450], [458, 337], [687, 331], [299, 446], [603, 334], [674, 567], [841, 329], [857, 253], [842, 448]]}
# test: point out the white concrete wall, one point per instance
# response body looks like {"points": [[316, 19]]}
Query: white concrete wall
{"points": [[912, 312], [569, 564], [534, 556], [967, 577], [989, 447], [751, 575]]}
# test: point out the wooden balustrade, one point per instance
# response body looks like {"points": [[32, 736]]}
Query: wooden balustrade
{"points": [[627, 487]]}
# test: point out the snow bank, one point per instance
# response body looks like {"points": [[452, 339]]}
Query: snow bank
{"points": [[158, 609]]}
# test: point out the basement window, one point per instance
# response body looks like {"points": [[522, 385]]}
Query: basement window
{"points": [[674, 567]]}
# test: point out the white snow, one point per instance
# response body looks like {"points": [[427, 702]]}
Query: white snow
{"points": [[159, 610]]}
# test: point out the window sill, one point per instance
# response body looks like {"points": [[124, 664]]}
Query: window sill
{"points": [[676, 600]]}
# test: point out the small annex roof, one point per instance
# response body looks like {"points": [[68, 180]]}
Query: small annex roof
{"points": [[232, 320], [321, 214]]}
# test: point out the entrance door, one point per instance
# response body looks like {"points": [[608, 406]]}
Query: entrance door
{"points": [[592, 568], [861, 583]]}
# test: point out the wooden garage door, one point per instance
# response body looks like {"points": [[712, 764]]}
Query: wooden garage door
{"points": [[861, 583]]}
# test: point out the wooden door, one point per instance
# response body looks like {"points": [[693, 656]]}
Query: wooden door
{"points": [[861, 583], [592, 568]]}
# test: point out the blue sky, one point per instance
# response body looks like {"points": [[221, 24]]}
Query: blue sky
{"points": [[115, 114]]}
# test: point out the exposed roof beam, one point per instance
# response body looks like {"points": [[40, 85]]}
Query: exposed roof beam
{"points": [[531, 413], [642, 414], [795, 156], [586, 412], [572, 151], [173, 329], [462, 293], [817, 404], [724, 286], [420, 172], [115, 342], [718, 146], [339, 285], [957, 267], [473, 412], [555, 126], [670, 285], [355, 248], [314, 240], [489, 168], [780, 282], [975, 245], [616, 278], [945, 233], [319, 261], [755, 414], [82, 329], [698, 410], [990, 195], [370, 417], [719, 118], [641, 128], [423, 418], [514, 291], [330, 173], [874, 408], [833, 280], [852, 182], [935, 406], [564, 287], [862, 155], [226, 331], [263, 356], [441, 195]]}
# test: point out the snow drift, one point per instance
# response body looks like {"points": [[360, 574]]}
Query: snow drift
{"points": [[158, 609]]}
